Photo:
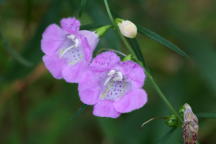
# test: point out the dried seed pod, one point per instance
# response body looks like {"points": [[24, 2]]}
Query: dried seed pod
{"points": [[190, 126]]}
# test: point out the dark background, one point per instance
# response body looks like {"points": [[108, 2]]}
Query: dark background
{"points": [[35, 108]]}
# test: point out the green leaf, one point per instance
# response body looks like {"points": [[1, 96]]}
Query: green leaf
{"points": [[136, 48], [154, 36]]}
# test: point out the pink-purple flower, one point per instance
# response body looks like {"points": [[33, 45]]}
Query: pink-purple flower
{"points": [[113, 86], [68, 50]]}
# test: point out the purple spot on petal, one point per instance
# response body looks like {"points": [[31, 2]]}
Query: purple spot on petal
{"points": [[70, 50], [115, 89]]}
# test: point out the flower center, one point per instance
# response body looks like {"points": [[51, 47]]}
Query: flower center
{"points": [[70, 50], [115, 86]]}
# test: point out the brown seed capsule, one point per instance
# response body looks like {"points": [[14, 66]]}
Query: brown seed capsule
{"points": [[190, 126]]}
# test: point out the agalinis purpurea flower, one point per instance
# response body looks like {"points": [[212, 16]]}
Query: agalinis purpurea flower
{"points": [[112, 86], [68, 50]]}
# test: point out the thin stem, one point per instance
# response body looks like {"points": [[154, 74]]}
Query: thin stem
{"points": [[151, 119], [163, 97], [127, 45], [116, 51], [118, 31], [109, 12]]}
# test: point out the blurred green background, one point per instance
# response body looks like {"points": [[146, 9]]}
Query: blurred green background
{"points": [[35, 108]]}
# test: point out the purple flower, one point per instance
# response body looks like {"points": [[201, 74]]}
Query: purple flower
{"points": [[68, 50], [112, 86]]}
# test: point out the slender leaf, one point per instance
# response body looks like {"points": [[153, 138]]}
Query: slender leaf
{"points": [[154, 36], [135, 46]]}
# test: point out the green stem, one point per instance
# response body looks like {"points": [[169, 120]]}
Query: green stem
{"points": [[163, 97], [118, 31], [116, 51], [109, 12]]}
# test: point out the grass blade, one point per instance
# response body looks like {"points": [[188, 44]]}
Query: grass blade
{"points": [[154, 36]]}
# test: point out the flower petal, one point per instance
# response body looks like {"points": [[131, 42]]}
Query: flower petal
{"points": [[92, 38], [52, 37], [54, 65], [105, 108], [88, 89], [73, 73], [88, 51], [131, 101], [71, 25], [134, 72], [104, 61]]}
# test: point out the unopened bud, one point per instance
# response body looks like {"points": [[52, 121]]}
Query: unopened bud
{"points": [[127, 28]]}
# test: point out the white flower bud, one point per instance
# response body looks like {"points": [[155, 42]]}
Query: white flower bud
{"points": [[128, 29]]}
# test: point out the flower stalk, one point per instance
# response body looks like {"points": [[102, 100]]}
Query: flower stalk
{"points": [[157, 88]]}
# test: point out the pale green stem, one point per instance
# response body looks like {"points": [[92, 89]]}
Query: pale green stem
{"points": [[116, 51], [157, 88], [163, 97], [116, 27]]}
